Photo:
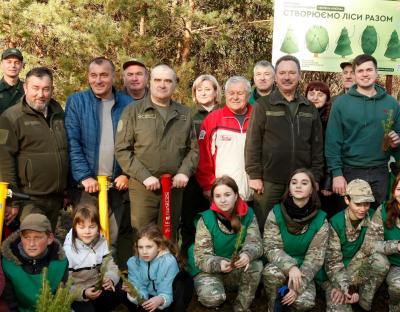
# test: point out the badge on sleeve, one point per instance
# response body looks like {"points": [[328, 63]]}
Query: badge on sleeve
{"points": [[202, 134], [120, 125]]}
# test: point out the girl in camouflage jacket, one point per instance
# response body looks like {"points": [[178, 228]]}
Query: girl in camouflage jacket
{"points": [[383, 237], [226, 249], [295, 240]]}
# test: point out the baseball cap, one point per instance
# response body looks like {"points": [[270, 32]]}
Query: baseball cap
{"points": [[345, 63], [36, 222], [134, 62], [360, 191], [12, 52]]}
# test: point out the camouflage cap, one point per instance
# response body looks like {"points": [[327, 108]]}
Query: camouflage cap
{"points": [[360, 191], [12, 52], [36, 222]]}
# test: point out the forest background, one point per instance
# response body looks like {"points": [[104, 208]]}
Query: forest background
{"points": [[222, 38]]}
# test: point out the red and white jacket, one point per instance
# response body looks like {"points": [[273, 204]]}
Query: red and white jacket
{"points": [[221, 148]]}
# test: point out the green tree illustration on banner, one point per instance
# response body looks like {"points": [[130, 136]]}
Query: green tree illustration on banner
{"points": [[369, 40], [317, 40], [289, 44], [343, 47], [393, 47]]}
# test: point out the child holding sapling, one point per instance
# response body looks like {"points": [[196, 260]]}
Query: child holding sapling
{"points": [[154, 278], [226, 248], [90, 263]]}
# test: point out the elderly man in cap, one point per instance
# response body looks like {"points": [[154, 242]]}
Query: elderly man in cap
{"points": [[135, 78], [91, 118], [353, 276], [11, 87], [25, 254], [348, 79]]}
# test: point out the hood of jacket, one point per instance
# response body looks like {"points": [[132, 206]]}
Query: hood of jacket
{"points": [[10, 246], [380, 92]]}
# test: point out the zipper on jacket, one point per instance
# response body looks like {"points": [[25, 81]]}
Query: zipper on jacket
{"points": [[291, 121], [58, 149], [148, 276]]}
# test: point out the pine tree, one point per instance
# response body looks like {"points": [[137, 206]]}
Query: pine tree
{"points": [[343, 47], [393, 47], [289, 44], [59, 302], [193, 36]]}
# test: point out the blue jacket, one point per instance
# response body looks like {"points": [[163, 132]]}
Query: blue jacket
{"points": [[83, 132], [155, 277]]}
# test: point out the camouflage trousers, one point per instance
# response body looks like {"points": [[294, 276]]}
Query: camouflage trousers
{"points": [[393, 281], [274, 278], [366, 273], [210, 288]]}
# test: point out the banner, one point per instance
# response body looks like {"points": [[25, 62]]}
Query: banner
{"points": [[324, 33]]}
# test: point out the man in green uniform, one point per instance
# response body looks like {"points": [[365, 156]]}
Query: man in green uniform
{"points": [[155, 137], [11, 87]]}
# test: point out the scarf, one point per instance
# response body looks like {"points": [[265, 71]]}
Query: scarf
{"points": [[240, 207], [297, 218]]}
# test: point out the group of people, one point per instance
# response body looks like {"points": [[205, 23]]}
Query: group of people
{"points": [[274, 186]]}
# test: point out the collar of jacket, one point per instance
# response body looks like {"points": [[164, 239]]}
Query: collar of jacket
{"points": [[380, 92], [148, 104], [11, 244], [53, 107], [4, 85], [146, 92], [226, 112], [97, 99], [276, 97]]}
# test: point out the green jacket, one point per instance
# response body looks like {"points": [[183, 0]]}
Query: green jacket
{"points": [[277, 143], [146, 145], [33, 151], [9, 95], [24, 276], [355, 133]]}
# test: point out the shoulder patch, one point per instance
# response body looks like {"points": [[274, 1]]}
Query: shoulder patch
{"points": [[202, 134], [3, 136], [182, 117], [120, 125]]}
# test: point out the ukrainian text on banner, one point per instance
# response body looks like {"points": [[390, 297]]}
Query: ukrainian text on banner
{"points": [[324, 33]]}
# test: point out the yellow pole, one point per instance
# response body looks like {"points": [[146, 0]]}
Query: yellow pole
{"points": [[3, 197], [103, 207]]}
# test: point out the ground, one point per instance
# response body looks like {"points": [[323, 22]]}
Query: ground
{"points": [[380, 303]]}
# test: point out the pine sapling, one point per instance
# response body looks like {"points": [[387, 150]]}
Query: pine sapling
{"points": [[45, 294], [238, 244], [132, 290], [61, 301], [103, 271], [387, 125]]}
